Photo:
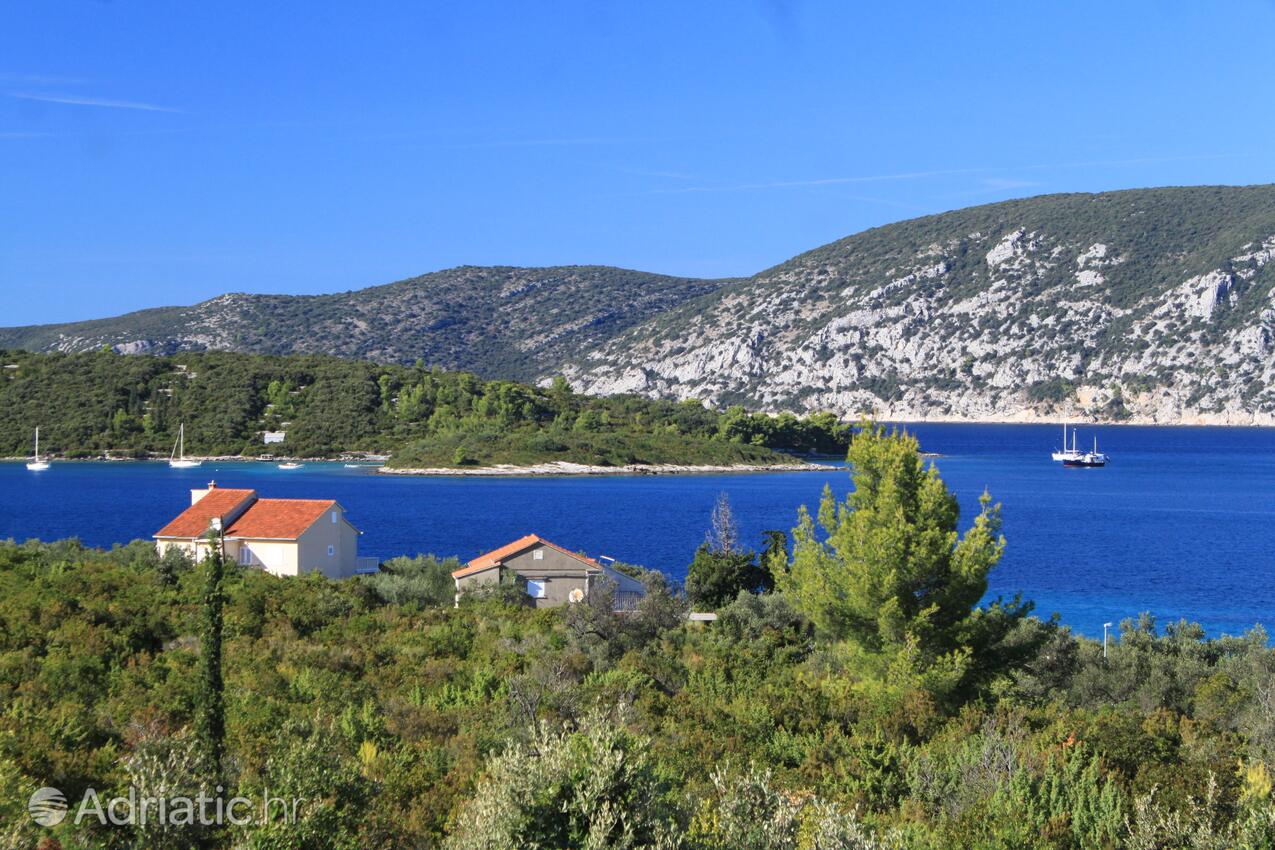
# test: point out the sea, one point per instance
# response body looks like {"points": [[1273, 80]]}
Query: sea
{"points": [[1180, 524]]}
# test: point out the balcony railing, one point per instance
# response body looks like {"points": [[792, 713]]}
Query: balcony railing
{"points": [[626, 602]]}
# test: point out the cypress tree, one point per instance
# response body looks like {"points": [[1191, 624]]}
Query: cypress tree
{"points": [[210, 720]]}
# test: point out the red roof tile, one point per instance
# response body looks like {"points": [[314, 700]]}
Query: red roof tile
{"points": [[279, 519], [193, 522], [496, 556]]}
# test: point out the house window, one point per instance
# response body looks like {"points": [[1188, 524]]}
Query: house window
{"points": [[538, 555], [245, 556], [536, 589], [331, 551], [334, 517]]}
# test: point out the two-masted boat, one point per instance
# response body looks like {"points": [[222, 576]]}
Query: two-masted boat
{"points": [[1093, 458], [1074, 456]]}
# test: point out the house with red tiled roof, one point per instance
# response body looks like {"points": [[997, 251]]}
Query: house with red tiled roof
{"points": [[550, 574], [286, 537]]}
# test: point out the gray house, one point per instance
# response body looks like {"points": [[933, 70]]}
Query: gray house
{"points": [[551, 574]]}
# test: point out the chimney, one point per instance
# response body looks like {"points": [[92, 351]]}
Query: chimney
{"points": [[196, 495]]}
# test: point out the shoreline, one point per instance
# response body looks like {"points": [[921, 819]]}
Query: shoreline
{"points": [[564, 468], [203, 459], [1132, 422], [535, 470]]}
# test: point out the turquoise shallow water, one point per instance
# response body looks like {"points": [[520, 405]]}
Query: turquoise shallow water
{"points": [[1182, 523]]}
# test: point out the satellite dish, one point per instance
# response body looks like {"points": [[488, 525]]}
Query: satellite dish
{"points": [[576, 595]]}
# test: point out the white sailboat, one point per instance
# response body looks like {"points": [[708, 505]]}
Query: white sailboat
{"points": [[1067, 454], [36, 464], [177, 460]]}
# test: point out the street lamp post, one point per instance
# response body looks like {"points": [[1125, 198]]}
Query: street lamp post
{"points": [[1105, 626]]}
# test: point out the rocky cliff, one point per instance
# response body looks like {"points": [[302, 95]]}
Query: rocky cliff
{"points": [[1142, 306]]}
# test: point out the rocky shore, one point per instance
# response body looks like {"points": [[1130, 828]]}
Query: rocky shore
{"points": [[565, 468]]}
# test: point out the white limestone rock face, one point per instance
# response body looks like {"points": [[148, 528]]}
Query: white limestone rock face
{"points": [[1206, 292], [1010, 340], [137, 346]]}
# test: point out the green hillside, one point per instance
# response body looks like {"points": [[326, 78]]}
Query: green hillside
{"points": [[87, 404]]}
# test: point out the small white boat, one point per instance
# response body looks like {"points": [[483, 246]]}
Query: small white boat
{"points": [[36, 465], [177, 460], [291, 465]]}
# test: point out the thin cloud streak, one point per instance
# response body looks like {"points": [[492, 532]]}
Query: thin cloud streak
{"points": [[1002, 183], [101, 102], [1143, 160], [822, 181], [17, 79], [671, 175], [920, 175], [563, 142], [885, 202]]}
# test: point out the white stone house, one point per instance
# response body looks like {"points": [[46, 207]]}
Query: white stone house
{"points": [[285, 537]]}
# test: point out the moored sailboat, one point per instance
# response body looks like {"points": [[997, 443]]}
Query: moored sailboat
{"points": [[177, 460], [1088, 459], [36, 465]]}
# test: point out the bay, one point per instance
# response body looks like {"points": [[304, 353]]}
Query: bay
{"points": [[1181, 523]]}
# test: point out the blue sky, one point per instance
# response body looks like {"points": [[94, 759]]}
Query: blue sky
{"points": [[164, 153]]}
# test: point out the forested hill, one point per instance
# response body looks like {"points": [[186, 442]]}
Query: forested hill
{"points": [[1151, 305], [1147, 305], [498, 322], [97, 402]]}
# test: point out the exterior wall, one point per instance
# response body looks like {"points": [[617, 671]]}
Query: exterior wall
{"points": [[197, 550], [560, 572], [274, 556], [313, 546], [277, 557], [473, 581]]}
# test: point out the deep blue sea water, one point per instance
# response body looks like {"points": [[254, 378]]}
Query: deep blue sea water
{"points": [[1182, 523]]}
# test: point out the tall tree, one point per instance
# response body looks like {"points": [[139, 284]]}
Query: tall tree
{"points": [[722, 568], [886, 571], [210, 720]]}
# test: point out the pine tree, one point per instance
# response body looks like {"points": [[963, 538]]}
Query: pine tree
{"points": [[889, 572]]}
